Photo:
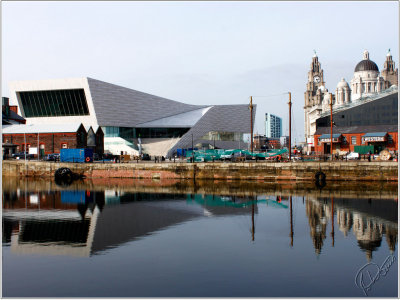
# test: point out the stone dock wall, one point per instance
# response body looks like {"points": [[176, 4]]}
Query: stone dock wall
{"points": [[264, 171]]}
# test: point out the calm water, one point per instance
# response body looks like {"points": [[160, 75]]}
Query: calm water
{"points": [[138, 239]]}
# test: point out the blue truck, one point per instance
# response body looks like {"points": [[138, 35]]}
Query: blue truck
{"points": [[76, 155]]}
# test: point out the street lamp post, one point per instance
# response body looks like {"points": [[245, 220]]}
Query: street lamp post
{"points": [[251, 123], [290, 126], [192, 149], [330, 104], [38, 146], [25, 146]]}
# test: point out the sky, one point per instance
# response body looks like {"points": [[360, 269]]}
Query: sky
{"points": [[199, 52]]}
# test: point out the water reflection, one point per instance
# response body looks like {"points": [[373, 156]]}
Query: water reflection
{"points": [[368, 220], [86, 222]]}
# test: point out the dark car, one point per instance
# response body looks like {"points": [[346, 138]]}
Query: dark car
{"points": [[96, 156], [145, 156], [52, 157], [21, 155], [108, 156]]}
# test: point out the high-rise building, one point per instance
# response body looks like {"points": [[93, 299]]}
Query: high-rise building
{"points": [[273, 126]]}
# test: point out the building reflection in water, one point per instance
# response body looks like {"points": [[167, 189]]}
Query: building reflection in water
{"points": [[84, 223], [368, 220]]}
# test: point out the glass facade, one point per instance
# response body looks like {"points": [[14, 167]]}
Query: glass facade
{"points": [[123, 132], [161, 132], [223, 136], [131, 133], [54, 103]]}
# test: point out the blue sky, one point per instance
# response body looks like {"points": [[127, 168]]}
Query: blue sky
{"points": [[199, 52]]}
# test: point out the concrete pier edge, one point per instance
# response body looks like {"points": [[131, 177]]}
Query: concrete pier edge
{"points": [[261, 171]]}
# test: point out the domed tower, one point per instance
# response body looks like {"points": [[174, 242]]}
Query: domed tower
{"points": [[343, 92], [327, 102], [389, 73], [366, 80]]}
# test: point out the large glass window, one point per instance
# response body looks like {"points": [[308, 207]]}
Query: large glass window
{"points": [[110, 131], [54, 103], [132, 133], [160, 132], [223, 136]]}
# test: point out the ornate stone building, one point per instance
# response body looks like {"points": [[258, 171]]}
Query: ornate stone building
{"points": [[389, 73], [367, 81], [313, 97]]}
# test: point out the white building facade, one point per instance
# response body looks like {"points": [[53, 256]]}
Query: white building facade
{"points": [[129, 118], [367, 82]]}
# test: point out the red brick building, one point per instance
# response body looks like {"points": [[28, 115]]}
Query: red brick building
{"points": [[49, 137], [346, 138]]}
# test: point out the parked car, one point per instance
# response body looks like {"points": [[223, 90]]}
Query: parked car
{"points": [[296, 158], [96, 156], [109, 156], [52, 157], [21, 155], [352, 155], [145, 156], [226, 157]]}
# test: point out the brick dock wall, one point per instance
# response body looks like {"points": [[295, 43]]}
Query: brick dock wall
{"points": [[261, 171]]}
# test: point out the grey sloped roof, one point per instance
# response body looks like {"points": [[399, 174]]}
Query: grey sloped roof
{"points": [[230, 118], [12, 116], [187, 119], [119, 106], [357, 129]]}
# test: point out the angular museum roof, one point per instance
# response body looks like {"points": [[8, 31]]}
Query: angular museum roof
{"points": [[123, 107], [183, 120], [222, 118]]}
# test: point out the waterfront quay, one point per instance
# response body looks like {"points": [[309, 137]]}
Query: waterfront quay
{"points": [[264, 171]]}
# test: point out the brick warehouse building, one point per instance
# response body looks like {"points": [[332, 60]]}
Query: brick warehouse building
{"points": [[345, 139], [50, 137]]}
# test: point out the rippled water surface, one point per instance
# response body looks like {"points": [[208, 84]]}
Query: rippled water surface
{"points": [[126, 238]]}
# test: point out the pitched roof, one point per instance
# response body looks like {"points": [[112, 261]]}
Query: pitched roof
{"points": [[328, 136], [41, 128], [357, 129], [12, 116], [374, 134]]}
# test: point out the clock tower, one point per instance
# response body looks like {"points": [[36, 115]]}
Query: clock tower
{"points": [[315, 81], [313, 97]]}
